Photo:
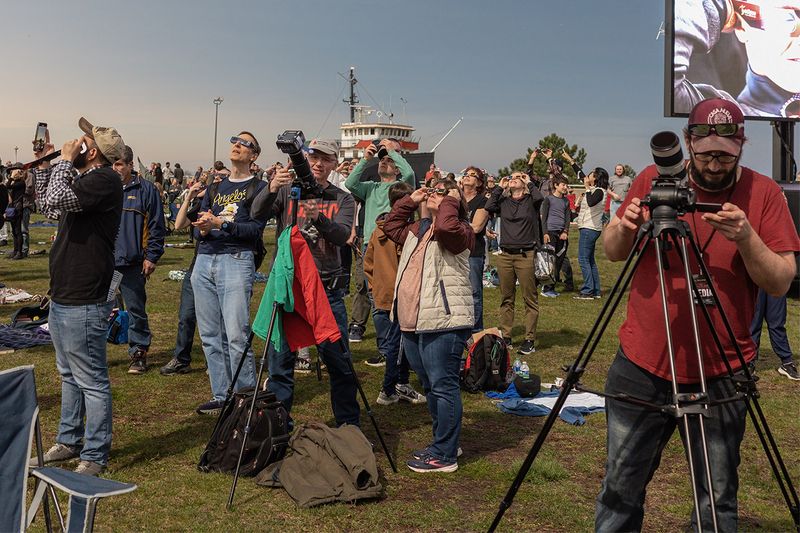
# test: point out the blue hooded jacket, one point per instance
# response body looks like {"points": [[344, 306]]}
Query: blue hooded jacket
{"points": [[141, 229]]}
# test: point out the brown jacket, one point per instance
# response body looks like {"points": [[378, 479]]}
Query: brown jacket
{"points": [[380, 265]]}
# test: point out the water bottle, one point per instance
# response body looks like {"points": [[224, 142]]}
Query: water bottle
{"points": [[517, 366], [525, 371]]}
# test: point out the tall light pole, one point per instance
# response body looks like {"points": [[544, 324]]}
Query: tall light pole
{"points": [[16, 149], [217, 102]]}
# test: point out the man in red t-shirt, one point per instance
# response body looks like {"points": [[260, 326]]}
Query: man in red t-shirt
{"points": [[749, 243]]}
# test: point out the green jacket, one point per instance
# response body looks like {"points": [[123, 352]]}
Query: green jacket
{"points": [[375, 195]]}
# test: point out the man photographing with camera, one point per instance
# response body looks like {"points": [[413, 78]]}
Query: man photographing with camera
{"points": [[88, 207], [749, 243], [325, 223]]}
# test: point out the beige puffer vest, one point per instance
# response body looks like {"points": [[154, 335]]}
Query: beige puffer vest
{"points": [[446, 299]]}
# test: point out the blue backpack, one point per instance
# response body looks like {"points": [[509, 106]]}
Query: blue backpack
{"points": [[118, 323]]}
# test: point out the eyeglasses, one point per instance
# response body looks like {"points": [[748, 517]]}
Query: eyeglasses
{"points": [[441, 191], [707, 157], [704, 130], [243, 142]]}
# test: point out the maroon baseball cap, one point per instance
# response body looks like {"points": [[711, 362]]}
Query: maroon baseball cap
{"points": [[717, 111]]}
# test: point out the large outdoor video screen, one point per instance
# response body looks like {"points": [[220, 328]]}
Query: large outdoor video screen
{"points": [[748, 52]]}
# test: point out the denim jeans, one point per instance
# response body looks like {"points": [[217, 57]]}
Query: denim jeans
{"points": [[387, 334], [773, 310], [476, 281], [223, 285], [135, 297], [336, 357], [436, 358], [637, 436], [79, 338], [26, 224], [187, 321], [591, 276]]}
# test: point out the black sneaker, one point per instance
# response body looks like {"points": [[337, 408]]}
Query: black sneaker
{"points": [[356, 333], [212, 407], [138, 362], [175, 367], [789, 370], [378, 360], [420, 455], [527, 348], [302, 366]]}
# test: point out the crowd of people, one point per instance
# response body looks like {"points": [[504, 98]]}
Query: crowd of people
{"points": [[416, 252]]}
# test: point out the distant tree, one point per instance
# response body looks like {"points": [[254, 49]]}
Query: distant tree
{"points": [[629, 171], [556, 143]]}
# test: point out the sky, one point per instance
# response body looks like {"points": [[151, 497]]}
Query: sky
{"points": [[516, 71]]}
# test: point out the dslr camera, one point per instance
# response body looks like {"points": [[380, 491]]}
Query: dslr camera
{"points": [[304, 186]]}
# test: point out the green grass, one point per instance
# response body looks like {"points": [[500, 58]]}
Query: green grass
{"points": [[158, 437]]}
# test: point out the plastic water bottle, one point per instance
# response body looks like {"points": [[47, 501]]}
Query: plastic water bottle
{"points": [[517, 366], [525, 371]]}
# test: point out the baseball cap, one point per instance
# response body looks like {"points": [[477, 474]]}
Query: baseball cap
{"points": [[108, 140], [717, 111], [323, 147]]}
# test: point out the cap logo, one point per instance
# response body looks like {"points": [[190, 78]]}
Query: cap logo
{"points": [[719, 115]]}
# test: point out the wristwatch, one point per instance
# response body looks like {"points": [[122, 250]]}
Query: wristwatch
{"points": [[226, 227]]}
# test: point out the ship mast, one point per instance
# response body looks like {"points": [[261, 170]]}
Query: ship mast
{"points": [[353, 100]]}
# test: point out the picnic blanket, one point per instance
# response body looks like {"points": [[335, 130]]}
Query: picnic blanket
{"points": [[577, 405]]}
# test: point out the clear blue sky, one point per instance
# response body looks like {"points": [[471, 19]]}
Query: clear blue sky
{"points": [[515, 70]]}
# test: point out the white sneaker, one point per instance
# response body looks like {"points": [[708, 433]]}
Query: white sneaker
{"points": [[386, 399], [406, 392]]}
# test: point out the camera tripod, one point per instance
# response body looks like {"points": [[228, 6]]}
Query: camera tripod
{"points": [[276, 308], [664, 230]]}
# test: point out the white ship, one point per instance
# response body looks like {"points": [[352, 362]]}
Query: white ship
{"points": [[368, 124]]}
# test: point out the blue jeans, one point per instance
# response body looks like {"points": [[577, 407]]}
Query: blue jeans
{"points": [[135, 298], [79, 338], [637, 436], [476, 281], [773, 310], [187, 321], [387, 336], [223, 285], [591, 276], [436, 358], [336, 357], [26, 224]]}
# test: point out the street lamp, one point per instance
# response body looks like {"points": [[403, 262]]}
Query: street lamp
{"points": [[217, 102], [16, 149]]}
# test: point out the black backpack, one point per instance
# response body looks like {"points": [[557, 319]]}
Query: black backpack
{"points": [[266, 443], [487, 365]]}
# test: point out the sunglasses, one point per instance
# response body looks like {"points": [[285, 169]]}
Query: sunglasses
{"points": [[707, 157], [704, 130], [441, 191], [243, 142]]}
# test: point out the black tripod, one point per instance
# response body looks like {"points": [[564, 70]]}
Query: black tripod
{"points": [[664, 230], [295, 197]]}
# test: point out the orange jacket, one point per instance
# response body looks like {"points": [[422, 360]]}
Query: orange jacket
{"points": [[380, 266]]}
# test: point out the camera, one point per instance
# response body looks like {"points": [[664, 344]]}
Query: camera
{"points": [[291, 142], [671, 195], [382, 152]]}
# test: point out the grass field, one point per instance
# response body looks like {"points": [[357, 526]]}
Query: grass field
{"points": [[158, 437]]}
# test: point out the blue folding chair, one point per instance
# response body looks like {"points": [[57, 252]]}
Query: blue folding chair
{"points": [[20, 408]]}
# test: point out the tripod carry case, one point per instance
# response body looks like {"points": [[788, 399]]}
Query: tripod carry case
{"points": [[266, 442]]}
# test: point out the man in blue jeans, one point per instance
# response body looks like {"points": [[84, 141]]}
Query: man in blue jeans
{"points": [[325, 224], [222, 277], [139, 246], [82, 287], [749, 243]]}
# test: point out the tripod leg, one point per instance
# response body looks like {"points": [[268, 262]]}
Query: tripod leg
{"points": [[369, 411], [576, 370], [253, 401]]}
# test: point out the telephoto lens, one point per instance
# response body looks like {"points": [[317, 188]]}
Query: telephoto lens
{"points": [[667, 155]]}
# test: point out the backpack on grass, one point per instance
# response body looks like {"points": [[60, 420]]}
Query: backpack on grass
{"points": [[267, 442], [487, 365]]}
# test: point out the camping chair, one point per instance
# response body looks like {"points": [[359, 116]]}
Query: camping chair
{"points": [[20, 408]]}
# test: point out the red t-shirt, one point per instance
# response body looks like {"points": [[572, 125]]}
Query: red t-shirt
{"points": [[642, 335]]}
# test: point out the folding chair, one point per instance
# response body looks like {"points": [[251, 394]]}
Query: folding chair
{"points": [[20, 408]]}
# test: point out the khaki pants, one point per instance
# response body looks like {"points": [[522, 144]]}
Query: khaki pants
{"points": [[510, 268]]}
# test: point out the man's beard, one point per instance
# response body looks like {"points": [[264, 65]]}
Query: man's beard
{"points": [[80, 160], [714, 186]]}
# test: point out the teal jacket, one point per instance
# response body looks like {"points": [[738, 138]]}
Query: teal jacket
{"points": [[375, 194]]}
